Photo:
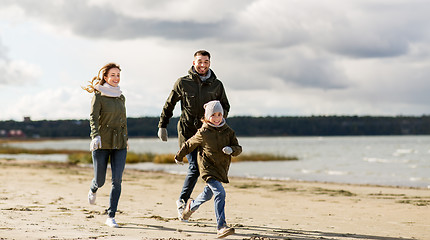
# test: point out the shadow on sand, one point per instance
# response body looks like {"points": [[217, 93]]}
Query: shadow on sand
{"points": [[261, 232]]}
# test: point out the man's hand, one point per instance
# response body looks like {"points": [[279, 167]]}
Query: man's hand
{"points": [[162, 134], [179, 162]]}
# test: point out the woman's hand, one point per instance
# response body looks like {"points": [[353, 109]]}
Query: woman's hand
{"points": [[96, 143]]}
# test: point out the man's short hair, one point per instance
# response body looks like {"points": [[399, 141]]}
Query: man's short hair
{"points": [[203, 53]]}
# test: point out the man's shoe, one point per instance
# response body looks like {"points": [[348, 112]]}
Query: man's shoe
{"points": [[186, 214], [180, 204]]}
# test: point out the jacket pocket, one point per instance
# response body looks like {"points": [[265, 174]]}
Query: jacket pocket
{"points": [[190, 100]]}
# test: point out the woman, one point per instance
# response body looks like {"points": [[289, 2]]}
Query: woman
{"points": [[108, 124]]}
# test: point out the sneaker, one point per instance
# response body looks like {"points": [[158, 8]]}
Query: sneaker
{"points": [[92, 197], [111, 222], [186, 214], [180, 204], [224, 232]]}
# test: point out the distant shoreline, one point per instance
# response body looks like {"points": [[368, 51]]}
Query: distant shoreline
{"points": [[244, 126]]}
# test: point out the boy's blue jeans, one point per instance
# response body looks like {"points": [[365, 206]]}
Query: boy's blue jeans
{"points": [[213, 187], [192, 176], [100, 162]]}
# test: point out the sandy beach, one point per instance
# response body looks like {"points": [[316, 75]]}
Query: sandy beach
{"points": [[49, 201]]}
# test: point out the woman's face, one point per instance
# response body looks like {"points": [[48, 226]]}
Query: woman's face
{"points": [[113, 77], [216, 118]]}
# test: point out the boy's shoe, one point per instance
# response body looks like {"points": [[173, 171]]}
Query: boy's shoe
{"points": [[111, 222], [92, 197], [180, 204], [224, 232], [187, 211]]}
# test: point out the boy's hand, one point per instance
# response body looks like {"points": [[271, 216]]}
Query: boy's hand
{"points": [[227, 150]]}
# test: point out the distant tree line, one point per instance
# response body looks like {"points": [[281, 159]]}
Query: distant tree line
{"points": [[243, 125]]}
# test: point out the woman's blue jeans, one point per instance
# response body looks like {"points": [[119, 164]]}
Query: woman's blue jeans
{"points": [[213, 187], [192, 176], [100, 162]]}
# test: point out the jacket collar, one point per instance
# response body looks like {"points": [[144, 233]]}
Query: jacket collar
{"points": [[220, 128], [193, 75]]}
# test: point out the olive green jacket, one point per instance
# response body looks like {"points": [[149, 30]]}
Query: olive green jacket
{"points": [[212, 161], [193, 94], [108, 120]]}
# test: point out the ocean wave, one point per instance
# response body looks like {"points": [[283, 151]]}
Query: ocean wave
{"points": [[308, 171], [415, 179], [277, 178], [405, 151], [336, 173], [377, 160]]}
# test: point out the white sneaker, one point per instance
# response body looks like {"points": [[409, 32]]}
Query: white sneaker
{"points": [[92, 197], [111, 222], [180, 204], [186, 214], [224, 232]]}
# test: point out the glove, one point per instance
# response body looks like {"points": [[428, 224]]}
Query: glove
{"points": [[162, 134], [227, 150], [179, 162], [96, 143]]}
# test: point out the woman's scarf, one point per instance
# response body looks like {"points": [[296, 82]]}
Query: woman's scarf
{"points": [[107, 90]]}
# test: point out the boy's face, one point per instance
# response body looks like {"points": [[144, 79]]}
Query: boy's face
{"points": [[201, 64], [216, 118]]}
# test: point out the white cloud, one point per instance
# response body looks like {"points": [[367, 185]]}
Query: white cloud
{"points": [[174, 11], [16, 72], [274, 57], [59, 103]]}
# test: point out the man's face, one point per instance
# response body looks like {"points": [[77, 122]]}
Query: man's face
{"points": [[201, 64]]}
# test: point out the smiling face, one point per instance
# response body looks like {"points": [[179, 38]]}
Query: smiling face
{"points": [[113, 77], [201, 64], [216, 118]]}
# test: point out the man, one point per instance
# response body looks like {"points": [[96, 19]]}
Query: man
{"points": [[193, 90]]}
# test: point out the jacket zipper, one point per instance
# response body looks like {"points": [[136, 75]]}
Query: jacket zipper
{"points": [[199, 111]]}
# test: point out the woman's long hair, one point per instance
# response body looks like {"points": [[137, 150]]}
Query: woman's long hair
{"points": [[100, 80]]}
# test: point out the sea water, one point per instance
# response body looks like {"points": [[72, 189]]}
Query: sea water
{"points": [[382, 160]]}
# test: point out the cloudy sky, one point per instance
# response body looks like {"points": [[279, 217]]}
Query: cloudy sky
{"points": [[275, 57]]}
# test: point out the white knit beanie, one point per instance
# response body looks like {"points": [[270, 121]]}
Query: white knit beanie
{"points": [[212, 107]]}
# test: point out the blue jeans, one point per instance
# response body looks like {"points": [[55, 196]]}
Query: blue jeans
{"points": [[213, 187], [192, 176], [117, 162]]}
